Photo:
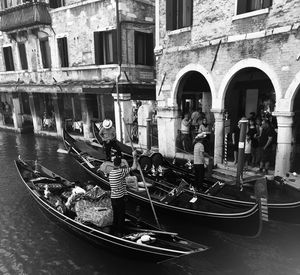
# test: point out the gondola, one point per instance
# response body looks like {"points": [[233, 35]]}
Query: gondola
{"points": [[163, 245], [283, 202], [229, 217]]}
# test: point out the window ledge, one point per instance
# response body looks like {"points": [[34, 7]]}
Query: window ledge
{"points": [[250, 14], [186, 29], [87, 67]]}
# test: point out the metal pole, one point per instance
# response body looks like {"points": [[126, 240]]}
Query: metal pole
{"points": [[241, 153], [119, 63], [120, 109]]}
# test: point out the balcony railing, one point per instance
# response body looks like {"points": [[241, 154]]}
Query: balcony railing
{"points": [[24, 16]]}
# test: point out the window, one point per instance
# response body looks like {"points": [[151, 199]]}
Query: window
{"points": [[244, 6], [23, 57], [4, 4], [56, 3], [179, 14], [8, 59], [63, 51], [45, 52], [143, 48], [105, 47]]}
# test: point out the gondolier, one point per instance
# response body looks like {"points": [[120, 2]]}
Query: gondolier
{"points": [[199, 154], [108, 135], [118, 190]]}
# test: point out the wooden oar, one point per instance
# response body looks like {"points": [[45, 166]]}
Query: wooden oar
{"points": [[84, 159], [142, 175]]}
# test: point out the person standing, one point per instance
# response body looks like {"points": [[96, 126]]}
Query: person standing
{"points": [[254, 141], [235, 142], [185, 133], [248, 146], [195, 119], [199, 154], [205, 128], [265, 145], [108, 134], [118, 191]]}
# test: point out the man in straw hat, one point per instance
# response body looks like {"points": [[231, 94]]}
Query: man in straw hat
{"points": [[108, 135], [199, 154]]}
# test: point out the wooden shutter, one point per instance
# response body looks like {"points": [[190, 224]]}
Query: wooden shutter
{"points": [[169, 14], [66, 54], [8, 59], [189, 13], [98, 48], [149, 49], [241, 6], [115, 47], [267, 3], [23, 57], [136, 48]]}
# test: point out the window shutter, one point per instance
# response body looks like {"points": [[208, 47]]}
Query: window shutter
{"points": [[189, 10], [149, 49], [169, 14], [136, 49], [115, 47], [60, 50], [267, 3], [8, 58], [241, 6], [65, 51], [98, 48], [23, 57]]}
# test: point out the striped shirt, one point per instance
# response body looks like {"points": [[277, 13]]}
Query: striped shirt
{"points": [[117, 182]]}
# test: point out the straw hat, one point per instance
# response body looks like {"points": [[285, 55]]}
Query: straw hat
{"points": [[107, 123]]}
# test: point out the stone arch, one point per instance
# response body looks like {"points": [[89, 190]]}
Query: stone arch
{"points": [[197, 68], [247, 63], [291, 93]]}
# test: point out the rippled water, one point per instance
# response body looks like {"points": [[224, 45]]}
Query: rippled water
{"points": [[30, 243]]}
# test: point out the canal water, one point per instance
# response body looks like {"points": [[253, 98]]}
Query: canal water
{"points": [[33, 244]]}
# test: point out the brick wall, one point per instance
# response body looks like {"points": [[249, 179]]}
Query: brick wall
{"points": [[213, 21]]}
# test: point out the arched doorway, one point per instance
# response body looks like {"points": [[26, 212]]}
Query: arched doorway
{"points": [[250, 94], [295, 164], [194, 101]]}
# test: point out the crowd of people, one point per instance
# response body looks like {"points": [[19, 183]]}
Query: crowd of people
{"points": [[260, 143], [192, 125]]}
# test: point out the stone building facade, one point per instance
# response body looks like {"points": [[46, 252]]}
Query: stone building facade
{"points": [[67, 62], [235, 56]]}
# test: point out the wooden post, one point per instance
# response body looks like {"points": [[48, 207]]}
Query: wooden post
{"points": [[241, 153], [149, 140]]}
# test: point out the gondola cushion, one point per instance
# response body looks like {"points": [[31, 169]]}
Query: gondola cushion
{"points": [[99, 212]]}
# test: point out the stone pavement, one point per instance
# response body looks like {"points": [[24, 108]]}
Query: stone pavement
{"points": [[227, 173]]}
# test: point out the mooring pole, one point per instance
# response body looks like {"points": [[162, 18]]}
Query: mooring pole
{"points": [[241, 154]]}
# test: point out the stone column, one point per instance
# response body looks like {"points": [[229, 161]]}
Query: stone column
{"points": [[144, 114], [284, 142], [219, 136], [124, 111], [17, 113], [34, 108], [58, 107], [87, 114], [168, 124]]}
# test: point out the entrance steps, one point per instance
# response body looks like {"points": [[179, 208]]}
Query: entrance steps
{"points": [[227, 173]]}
